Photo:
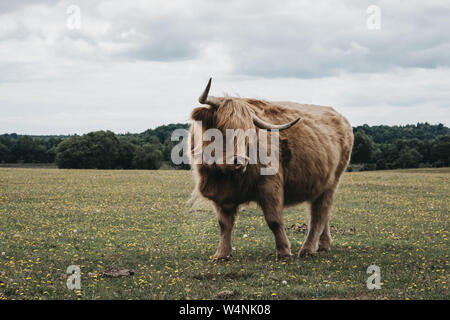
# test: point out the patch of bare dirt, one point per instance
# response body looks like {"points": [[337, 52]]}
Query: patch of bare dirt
{"points": [[303, 228], [117, 272], [224, 294]]}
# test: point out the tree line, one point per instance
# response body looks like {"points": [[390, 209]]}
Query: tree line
{"points": [[392, 147], [375, 148]]}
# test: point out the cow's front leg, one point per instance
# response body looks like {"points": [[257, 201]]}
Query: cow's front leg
{"points": [[226, 223], [272, 205]]}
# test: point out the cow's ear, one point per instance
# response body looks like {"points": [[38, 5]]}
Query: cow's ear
{"points": [[204, 114]]}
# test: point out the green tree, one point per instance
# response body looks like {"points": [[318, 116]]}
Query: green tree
{"points": [[363, 147], [147, 157], [95, 150], [70, 153], [408, 158], [381, 164], [5, 153], [441, 151], [103, 149], [28, 149], [127, 151]]}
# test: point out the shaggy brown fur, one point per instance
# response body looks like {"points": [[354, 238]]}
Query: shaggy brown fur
{"points": [[313, 155]]}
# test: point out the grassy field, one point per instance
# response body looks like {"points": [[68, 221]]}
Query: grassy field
{"points": [[50, 219]]}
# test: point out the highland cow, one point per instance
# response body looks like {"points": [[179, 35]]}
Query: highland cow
{"points": [[315, 145]]}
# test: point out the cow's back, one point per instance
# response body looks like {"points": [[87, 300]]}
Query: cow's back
{"points": [[318, 147]]}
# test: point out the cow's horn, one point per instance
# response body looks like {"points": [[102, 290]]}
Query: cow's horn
{"points": [[265, 125], [205, 99]]}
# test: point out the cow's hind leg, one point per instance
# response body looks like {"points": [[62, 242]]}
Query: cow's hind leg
{"points": [[318, 237], [226, 223], [325, 238]]}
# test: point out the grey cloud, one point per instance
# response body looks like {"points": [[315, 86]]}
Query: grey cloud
{"points": [[272, 39], [291, 44], [130, 60], [12, 5]]}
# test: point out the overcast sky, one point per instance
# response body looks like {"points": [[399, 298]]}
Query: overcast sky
{"points": [[134, 65]]}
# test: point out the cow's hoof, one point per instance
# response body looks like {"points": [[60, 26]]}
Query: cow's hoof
{"points": [[304, 253], [324, 244], [285, 257], [324, 248], [221, 259]]}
